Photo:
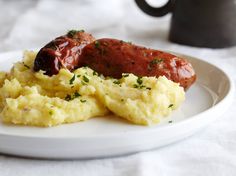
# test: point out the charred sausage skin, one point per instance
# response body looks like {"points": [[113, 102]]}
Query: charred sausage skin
{"points": [[62, 52], [112, 57]]}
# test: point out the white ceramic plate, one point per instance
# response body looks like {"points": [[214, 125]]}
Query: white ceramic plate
{"points": [[206, 100]]}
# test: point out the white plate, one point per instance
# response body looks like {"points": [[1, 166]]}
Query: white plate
{"points": [[206, 100]]}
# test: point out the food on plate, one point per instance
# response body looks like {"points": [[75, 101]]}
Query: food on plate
{"points": [[62, 52], [112, 57], [33, 98], [75, 77], [32, 108], [141, 100]]}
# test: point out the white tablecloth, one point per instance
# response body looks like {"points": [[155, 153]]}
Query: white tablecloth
{"points": [[30, 24]]}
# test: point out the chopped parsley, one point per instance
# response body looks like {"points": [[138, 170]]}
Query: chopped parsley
{"points": [[85, 79], [135, 86], [97, 44], [78, 76], [82, 101], [170, 121], [95, 73], [26, 65], [102, 50], [76, 94], [72, 79], [155, 61], [68, 97], [72, 32], [140, 85], [116, 82], [50, 113], [171, 105], [71, 97], [125, 75], [139, 80]]}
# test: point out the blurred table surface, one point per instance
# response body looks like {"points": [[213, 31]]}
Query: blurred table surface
{"points": [[29, 24]]}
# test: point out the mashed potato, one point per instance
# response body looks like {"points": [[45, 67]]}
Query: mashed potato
{"points": [[32, 98]]}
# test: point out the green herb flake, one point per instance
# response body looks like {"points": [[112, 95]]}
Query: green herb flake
{"points": [[50, 113], [78, 76], [141, 86], [122, 100], [72, 32], [155, 61], [72, 79], [148, 88], [139, 80], [26, 65], [76, 94], [85, 79], [171, 105], [116, 82], [135, 86], [95, 73], [82, 101], [71, 97], [68, 97], [97, 44], [170, 121]]}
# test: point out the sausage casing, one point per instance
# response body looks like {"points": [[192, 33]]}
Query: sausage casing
{"points": [[62, 52], [112, 57]]}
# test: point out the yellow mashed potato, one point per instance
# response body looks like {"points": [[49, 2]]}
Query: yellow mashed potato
{"points": [[32, 98]]}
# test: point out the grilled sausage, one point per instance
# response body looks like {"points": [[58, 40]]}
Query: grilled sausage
{"points": [[62, 52], [112, 57]]}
